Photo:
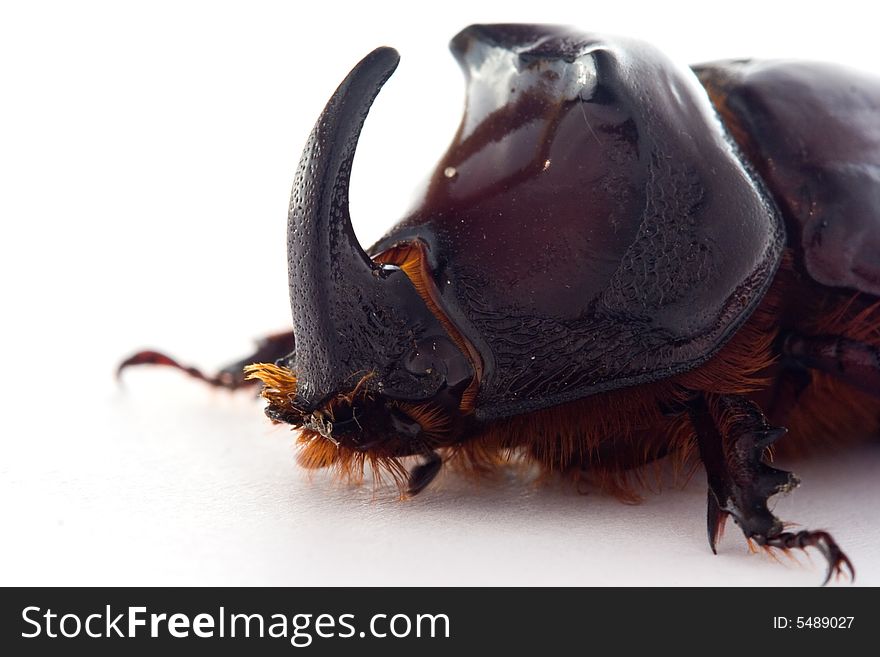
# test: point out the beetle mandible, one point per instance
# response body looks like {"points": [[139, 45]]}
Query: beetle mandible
{"points": [[616, 260]]}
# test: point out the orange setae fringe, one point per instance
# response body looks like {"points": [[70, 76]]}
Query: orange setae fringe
{"points": [[347, 464], [279, 383]]}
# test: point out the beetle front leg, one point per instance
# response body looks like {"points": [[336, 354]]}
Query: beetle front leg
{"points": [[231, 377], [732, 434]]}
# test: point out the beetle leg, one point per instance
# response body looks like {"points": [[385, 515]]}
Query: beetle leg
{"points": [[423, 474], [820, 540], [856, 363], [732, 434], [269, 349]]}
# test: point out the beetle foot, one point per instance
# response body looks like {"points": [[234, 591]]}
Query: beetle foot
{"points": [[733, 436], [231, 377], [423, 474], [838, 563]]}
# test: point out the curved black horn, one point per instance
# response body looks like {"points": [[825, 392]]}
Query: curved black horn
{"points": [[351, 317], [318, 216]]}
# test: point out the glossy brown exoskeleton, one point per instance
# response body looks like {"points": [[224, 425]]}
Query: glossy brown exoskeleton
{"points": [[616, 260]]}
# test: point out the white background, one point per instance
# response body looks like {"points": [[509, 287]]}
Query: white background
{"points": [[146, 156]]}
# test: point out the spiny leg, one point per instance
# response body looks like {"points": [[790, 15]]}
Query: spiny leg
{"points": [[739, 482], [269, 350], [732, 434]]}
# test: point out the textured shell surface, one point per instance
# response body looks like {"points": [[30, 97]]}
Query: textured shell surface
{"points": [[592, 225]]}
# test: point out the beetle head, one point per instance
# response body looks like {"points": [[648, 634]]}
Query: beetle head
{"points": [[374, 370]]}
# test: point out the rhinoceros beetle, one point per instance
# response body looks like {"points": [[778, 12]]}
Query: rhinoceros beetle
{"points": [[616, 260]]}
